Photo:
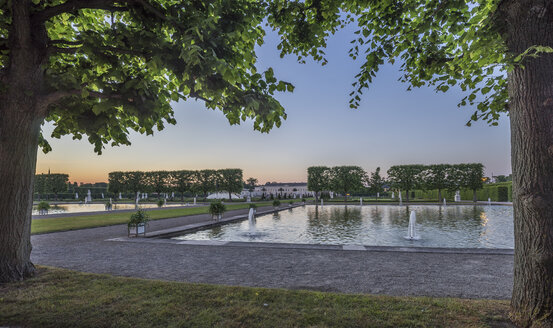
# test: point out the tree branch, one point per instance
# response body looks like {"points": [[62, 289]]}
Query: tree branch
{"points": [[56, 96], [197, 96], [3, 44], [65, 42], [74, 5], [74, 50], [110, 5], [56, 50]]}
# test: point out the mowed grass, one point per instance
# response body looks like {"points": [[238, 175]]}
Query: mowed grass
{"points": [[105, 219], [63, 298]]}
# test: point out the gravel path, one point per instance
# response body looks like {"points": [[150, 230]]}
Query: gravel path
{"points": [[392, 271]]}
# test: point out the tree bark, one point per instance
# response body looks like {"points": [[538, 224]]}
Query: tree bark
{"points": [[439, 195], [19, 132], [474, 196], [407, 196], [531, 114], [21, 115]]}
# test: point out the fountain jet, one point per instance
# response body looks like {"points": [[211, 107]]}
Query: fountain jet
{"points": [[251, 216], [411, 231]]}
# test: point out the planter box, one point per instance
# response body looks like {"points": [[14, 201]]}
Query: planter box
{"points": [[136, 230]]}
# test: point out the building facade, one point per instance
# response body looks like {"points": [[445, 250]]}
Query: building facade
{"points": [[297, 189]]}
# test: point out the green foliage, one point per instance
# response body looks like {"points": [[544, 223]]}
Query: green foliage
{"points": [[276, 203], [217, 209], [134, 181], [318, 178], [140, 217], [116, 182], [376, 182], [43, 206], [156, 181], [502, 194], [250, 184], [488, 191], [160, 202], [472, 175], [51, 183], [252, 205], [437, 43], [406, 177], [503, 178], [111, 68], [230, 180], [181, 181], [204, 181], [437, 176], [347, 179]]}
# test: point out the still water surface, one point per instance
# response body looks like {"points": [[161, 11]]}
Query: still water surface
{"points": [[461, 226]]}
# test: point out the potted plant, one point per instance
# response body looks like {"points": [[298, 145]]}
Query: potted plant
{"points": [[43, 208], [216, 209], [276, 203], [137, 223]]}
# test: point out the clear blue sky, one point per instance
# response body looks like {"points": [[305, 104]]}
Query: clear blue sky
{"points": [[392, 126]]}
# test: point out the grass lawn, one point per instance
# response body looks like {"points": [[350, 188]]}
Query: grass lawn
{"points": [[105, 219], [63, 298]]}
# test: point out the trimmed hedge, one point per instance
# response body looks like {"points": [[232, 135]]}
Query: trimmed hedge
{"points": [[497, 192]]}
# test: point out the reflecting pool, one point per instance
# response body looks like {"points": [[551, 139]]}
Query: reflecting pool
{"points": [[464, 226]]}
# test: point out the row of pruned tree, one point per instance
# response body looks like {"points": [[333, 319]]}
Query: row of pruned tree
{"points": [[51, 183], [182, 181], [437, 176], [348, 179], [340, 179]]}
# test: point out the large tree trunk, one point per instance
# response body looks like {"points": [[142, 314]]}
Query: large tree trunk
{"points": [[439, 195], [474, 196], [18, 150], [21, 115], [531, 113]]}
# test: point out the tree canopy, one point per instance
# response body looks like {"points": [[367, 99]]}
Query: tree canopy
{"points": [[318, 179], [231, 181], [435, 43], [406, 177], [115, 66], [346, 179]]}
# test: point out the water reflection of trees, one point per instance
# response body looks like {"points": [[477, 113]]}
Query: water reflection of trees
{"points": [[215, 232], [334, 223], [438, 216]]}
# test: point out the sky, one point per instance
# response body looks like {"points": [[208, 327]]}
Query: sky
{"points": [[392, 126]]}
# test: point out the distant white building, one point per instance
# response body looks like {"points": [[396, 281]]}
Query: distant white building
{"points": [[299, 189], [223, 195]]}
